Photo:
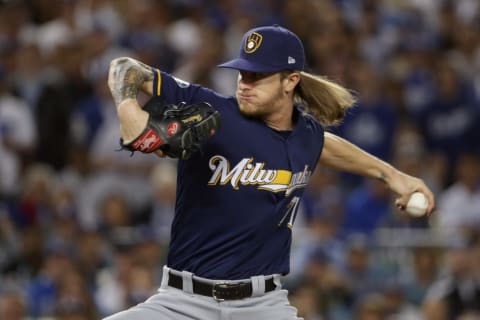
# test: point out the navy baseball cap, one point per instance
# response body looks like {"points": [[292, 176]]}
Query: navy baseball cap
{"points": [[269, 49]]}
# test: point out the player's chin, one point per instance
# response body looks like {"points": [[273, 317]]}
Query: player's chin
{"points": [[248, 109]]}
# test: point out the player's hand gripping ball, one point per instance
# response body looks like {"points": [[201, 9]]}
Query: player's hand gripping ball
{"points": [[417, 204], [177, 130]]}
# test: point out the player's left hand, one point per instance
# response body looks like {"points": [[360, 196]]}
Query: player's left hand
{"points": [[176, 131]]}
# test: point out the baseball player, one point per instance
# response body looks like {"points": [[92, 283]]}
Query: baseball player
{"points": [[237, 197]]}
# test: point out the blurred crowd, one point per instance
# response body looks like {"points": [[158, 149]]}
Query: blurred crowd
{"points": [[84, 227]]}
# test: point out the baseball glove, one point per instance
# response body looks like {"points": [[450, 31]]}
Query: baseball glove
{"points": [[177, 130]]}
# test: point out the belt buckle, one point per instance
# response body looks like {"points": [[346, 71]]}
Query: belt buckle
{"points": [[223, 285]]}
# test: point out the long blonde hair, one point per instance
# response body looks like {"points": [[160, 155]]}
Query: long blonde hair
{"points": [[326, 100]]}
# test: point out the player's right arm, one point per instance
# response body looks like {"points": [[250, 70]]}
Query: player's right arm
{"points": [[342, 155], [126, 77]]}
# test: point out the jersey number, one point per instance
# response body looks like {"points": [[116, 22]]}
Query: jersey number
{"points": [[292, 209]]}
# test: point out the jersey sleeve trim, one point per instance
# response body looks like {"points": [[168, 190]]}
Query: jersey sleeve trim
{"points": [[157, 82]]}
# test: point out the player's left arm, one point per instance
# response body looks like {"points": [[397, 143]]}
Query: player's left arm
{"points": [[342, 155], [126, 78]]}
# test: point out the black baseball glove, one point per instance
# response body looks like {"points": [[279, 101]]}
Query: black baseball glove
{"points": [[177, 130]]}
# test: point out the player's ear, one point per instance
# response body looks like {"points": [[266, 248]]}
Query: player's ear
{"points": [[290, 81]]}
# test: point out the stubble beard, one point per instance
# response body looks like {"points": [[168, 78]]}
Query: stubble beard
{"points": [[263, 110]]}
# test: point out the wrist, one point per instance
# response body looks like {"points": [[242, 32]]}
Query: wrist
{"points": [[387, 174]]}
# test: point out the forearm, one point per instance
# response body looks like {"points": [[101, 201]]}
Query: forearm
{"points": [[126, 78], [344, 156], [133, 119]]}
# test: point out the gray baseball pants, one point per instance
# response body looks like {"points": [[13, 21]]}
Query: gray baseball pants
{"points": [[173, 304]]}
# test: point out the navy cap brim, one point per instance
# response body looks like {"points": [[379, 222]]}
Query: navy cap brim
{"points": [[247, 65]]}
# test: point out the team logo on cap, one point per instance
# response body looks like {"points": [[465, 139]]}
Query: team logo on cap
{"points": [[253, 42]]}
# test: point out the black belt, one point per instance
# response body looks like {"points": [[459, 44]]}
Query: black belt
{"points": [[220, 291]]}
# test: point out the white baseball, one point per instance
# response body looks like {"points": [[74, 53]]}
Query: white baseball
{"points": [[417, 204]]}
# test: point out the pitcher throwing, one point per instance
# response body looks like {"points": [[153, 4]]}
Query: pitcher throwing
{"points": [[237, 196]]}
